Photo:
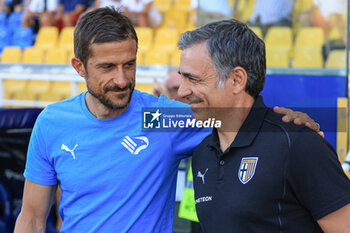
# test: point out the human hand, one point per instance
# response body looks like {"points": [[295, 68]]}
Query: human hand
{"points": [[298, 118], [160, 88]]}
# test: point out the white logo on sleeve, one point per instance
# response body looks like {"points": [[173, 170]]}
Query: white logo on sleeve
{"points": [[136, 145], [200, 175], [71, 151]]}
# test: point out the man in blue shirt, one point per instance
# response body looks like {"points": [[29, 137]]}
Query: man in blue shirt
{"points": [[114, 177]]}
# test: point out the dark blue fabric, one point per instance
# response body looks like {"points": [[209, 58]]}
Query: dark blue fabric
{"points": [[18, 118]]}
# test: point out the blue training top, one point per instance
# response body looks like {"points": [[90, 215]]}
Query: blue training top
{"points": [[107, 186]]}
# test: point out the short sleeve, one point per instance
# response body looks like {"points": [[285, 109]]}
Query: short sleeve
{"points": [[185, 140], [38, 168], [316, 175]]}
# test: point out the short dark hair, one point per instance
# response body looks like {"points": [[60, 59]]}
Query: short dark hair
{"points": [[231, 43], [100, 26]]}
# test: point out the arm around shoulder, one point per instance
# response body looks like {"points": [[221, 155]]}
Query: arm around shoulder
{"points": [[37, 200]]}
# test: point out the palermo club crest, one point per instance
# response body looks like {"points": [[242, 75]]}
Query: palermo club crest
{"points": [[247, 169]]}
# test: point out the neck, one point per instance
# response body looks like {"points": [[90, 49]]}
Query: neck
{"points": [[232, 121], [99, 110]]}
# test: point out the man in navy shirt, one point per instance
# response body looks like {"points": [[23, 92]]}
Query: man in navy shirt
{"points": [[255, 173]]}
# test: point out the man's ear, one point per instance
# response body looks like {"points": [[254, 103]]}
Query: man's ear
{"points": [[79, 66], [238, 80]]}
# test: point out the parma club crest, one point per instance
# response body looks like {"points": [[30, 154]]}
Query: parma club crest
{"points": [[247, 169]]}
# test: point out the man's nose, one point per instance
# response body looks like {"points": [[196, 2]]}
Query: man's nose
{"points": [[120, 78], [184, 89]]}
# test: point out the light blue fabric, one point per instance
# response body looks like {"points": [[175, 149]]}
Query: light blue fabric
{"points": [[106, 188], [218, 6], [272, 11]]}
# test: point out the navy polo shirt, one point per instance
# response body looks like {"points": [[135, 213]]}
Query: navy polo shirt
{"points": [[274, 177]]}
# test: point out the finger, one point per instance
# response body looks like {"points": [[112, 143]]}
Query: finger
{"points": [[321, 133], [281, 110], [299, 121], [313, 125]]}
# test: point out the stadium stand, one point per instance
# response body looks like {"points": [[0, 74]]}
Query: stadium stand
{"points": [[276, 58], [47, 38], [5, 37], [35, 90], [163, 5], [66, 39], [175, 58], [166, 40], [33, 55], [14, 20], [308, 58], [3, 19], [279, 38], [176, 18], [145, 36], [312, 37], [13, 88], [58, 91], [336, 59], [156, 57], [22, 37], [56, 56], [11, 54]]}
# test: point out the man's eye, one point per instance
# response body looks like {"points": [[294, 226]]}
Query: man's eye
{"points": [[131, 64]]}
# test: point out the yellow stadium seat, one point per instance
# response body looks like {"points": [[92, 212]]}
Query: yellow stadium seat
{"points": [[35, 90], [145, 87], [257, 31], [11, 55], [156, 57], [246, 9], [336, 59], [66, 39], [13, 88], [82, 87], [58, 91], [56, 56], [140, 58], [47, 38], [176, 19], [308, 58], [310, 37], [175, 58], [70, 56], [163, 5], [183, 5], [32, 55], [145, 36], [276, 58], [302, 6], [334, 34], [166, 39], [281, 37]]}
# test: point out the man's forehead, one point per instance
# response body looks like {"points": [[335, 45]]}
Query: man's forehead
{"points": [[195, 60], [121, 49]]}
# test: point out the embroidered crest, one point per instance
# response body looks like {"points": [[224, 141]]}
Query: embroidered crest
{"points": [[247, 169]]}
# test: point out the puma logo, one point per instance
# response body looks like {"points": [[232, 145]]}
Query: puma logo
{"points": [[71, 151], [200, 175]]}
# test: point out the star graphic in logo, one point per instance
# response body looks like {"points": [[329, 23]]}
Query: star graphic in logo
{"points": [[156, 115]]}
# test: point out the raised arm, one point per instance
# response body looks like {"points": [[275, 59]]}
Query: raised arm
{"points": [[36, 204]]}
